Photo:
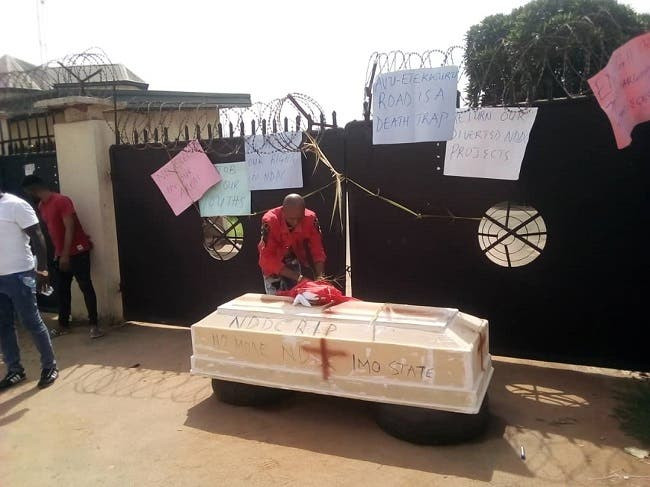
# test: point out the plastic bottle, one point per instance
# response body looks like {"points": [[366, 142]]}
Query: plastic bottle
{"points": [[30, 282], [47, 291]]}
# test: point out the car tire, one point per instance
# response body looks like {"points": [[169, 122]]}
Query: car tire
{"points": [[239, 394], [430, 426]]}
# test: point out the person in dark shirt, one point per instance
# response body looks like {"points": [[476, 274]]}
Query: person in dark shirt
{"points": [[72, 252]]}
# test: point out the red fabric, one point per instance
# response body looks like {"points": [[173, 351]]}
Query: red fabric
{"points": [[52, 212], [326, 292], [277, 241]]}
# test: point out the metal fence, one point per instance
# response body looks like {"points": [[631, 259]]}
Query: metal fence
{"points": [[171, 123], [209, 131], [27, 135]]}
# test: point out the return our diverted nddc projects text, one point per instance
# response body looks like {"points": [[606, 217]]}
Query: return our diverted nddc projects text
{"points": [[420, 106]]}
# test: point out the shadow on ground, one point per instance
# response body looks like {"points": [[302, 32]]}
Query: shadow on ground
{"points": [[539, 408], [346, 428], [534, 407], [131, 361], [10, 404]]}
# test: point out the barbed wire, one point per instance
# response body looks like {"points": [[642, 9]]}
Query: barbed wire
{"points": [[223, 131], [74, 74], [387, 62], [555, 63], [138, 121], [90, 66], [380, 63]]}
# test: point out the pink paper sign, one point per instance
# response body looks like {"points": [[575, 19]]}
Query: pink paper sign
{"points": [[186, 177], [622, 88]]}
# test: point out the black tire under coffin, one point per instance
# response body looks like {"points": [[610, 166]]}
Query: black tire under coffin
{"points": [[239, 394], [431, 426]]}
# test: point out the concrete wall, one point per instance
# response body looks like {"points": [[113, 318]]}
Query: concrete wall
{"points": [[84, 174], [82, 148], [174, 120]]}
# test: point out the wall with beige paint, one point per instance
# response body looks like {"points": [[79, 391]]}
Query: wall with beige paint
{"points": [[174, 120], [84, 175]]}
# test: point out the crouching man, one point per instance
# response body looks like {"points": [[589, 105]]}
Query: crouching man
{"points": [[291, 242]]}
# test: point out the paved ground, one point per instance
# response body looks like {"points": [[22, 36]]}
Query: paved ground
{"points": [[126, 412]]}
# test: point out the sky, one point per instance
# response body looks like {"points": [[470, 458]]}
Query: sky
{"points": [[265, 48]]}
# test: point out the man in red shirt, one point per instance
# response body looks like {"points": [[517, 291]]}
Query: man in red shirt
{"points": [[72, 251], [291, 240]]}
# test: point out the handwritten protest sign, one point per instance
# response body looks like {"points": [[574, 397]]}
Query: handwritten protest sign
{"points": [[273, 162], [415, 105], [232, 196], [186, 177], [489, 143], [622, 88]]}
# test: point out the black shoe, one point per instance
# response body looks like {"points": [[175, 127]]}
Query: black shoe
{"points": [[11, 379], [48, 376]]}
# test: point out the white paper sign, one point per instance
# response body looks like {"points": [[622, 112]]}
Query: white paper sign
{"points": [[273, 162], [416, 105], [29, 169], [230, 197], [489, 143]]}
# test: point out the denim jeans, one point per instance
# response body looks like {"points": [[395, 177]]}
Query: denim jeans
{"points": [[17, 296]]}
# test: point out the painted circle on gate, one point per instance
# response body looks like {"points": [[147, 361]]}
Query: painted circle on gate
{"points": [[512, 235]]}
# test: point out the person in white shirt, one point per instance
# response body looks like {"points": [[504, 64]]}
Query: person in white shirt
{"points": [[19, 283]]}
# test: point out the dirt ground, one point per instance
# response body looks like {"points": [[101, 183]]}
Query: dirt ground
{"points": [[125, 411]]}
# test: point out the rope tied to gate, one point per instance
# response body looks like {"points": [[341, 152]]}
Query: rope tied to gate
{"points": [[338, 178]]}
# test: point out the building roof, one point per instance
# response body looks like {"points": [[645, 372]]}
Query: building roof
{"points": [[18, 74], [9, 63], [22, 83], [14, 74]]}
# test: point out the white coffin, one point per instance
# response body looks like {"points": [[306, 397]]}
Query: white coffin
{"points": [[411, 355]]}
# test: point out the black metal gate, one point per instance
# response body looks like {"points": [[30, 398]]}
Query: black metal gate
{"points": [[580, 301], [14, 168], [583, 300], [167, 276]]}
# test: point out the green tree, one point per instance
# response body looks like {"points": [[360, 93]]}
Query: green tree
{"points": [[545, 49]]}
